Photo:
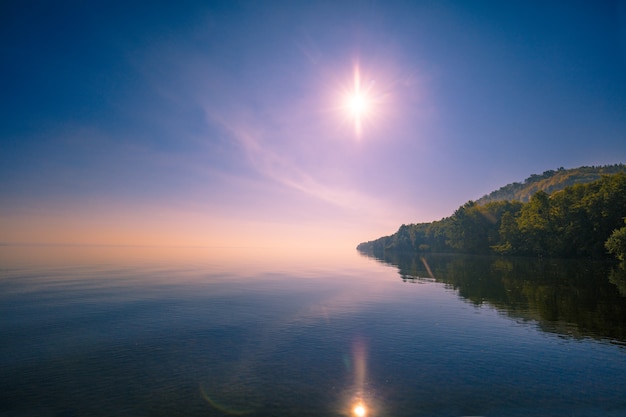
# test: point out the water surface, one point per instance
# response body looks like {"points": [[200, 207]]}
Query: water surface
{"points": [[214, 332]]}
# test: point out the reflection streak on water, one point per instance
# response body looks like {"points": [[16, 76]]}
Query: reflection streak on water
{"points": [[360, 360], [425, 262]]}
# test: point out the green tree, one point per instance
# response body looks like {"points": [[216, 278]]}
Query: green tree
{"points": [[570, 222], [616, 243], [534, 225], [470, 228], [509, 235], [604, 202]]}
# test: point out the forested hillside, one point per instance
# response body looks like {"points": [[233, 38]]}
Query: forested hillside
{"points": [[583, 220], [550, 181]]}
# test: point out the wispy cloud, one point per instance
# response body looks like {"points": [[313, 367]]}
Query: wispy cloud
{"points": [[280, 168]]}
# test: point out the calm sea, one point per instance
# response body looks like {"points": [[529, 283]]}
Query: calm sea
{"points": [[251, 332]]}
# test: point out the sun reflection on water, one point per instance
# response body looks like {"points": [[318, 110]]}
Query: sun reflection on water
{"points": [[358, 365], [359, 410]]}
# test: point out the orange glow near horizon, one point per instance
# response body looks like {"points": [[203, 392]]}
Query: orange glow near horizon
{"points": [[137, 226]]}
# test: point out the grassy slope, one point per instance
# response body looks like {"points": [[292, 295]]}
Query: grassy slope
{"points": [[550, 181]]}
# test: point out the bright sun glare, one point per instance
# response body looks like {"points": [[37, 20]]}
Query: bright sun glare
{"points": [[358, 102], [359, 410]]}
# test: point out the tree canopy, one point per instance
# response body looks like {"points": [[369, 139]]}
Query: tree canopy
{"points": [[582, 220]]}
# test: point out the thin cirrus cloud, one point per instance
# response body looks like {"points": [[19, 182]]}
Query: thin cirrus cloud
{"points": [[273, 166]]}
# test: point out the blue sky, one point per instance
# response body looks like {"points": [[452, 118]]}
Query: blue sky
{"points": [[224, 123]]}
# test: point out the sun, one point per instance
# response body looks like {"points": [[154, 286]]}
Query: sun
{"points": [[358, 102]]}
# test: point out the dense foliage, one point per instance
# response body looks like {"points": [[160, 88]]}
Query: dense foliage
{"points": [[578, 221], [616, 243]]}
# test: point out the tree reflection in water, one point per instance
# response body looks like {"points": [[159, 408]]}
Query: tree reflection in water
{"points": [[572, 298]]}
